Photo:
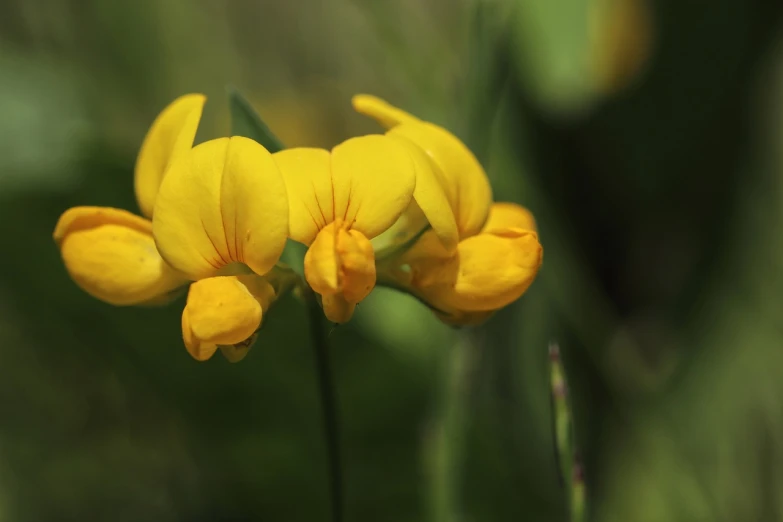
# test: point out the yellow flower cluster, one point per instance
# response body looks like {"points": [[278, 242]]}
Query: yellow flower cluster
{"points": [[410, 209]]}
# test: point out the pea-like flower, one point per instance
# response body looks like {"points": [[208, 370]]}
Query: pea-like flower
{"points": [[112, 255], [221, 218], [498, 254], [340, 200]]}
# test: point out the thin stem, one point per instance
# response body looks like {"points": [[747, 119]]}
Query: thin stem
{"points": [[565, 443], [320, 344]]}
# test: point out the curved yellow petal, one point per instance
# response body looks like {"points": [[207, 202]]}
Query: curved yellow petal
{"points": [[197, 348], [489, 272], [111, 255], [224, 311], [76, 219], [381, 111], [337, 308], [223, 202], [308, 178], [340, 266], [464, 180], [465, 183], [172, 133], [509, 215], [373, 178], [430, 196]]}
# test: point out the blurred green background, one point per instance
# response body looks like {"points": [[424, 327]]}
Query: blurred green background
{"points": [[647, 137]]}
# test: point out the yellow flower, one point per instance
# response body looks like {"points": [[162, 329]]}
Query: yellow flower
{"points": [[338, 202], [222, 204], [111, 254], [225, 312], [457, 170], [498, 254], [221, 218]]}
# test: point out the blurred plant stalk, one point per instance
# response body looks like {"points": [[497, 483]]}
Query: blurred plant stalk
{"points": [[568, 457], [446, 444]]}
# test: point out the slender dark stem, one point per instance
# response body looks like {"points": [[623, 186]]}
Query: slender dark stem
{"points": [[320, 344]]}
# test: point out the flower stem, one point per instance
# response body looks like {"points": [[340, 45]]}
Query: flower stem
{"points": [[318, 337], [567, 453]]}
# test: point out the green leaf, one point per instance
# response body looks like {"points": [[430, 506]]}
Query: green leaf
{"points": [[293, 256], [246, 122]]}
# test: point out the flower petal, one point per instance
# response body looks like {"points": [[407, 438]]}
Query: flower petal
{"points": [[509, 215], [384, 113], [340, 266], [172, 133], [489, 272], [198, 349], [431, 198], [222, 202], [337, 309], [308, 179], [321, 264], [224, 311], [465, 182], [373, 179], [111, 255]]}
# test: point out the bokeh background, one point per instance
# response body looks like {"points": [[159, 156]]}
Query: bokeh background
{"points": [[647, 137]]}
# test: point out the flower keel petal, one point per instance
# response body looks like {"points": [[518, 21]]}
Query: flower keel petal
{"points": [[340, 266], [489, 272], [225, 312], [111, 255]]}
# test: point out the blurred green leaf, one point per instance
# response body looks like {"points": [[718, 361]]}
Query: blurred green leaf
{"points": [[246, 122]]}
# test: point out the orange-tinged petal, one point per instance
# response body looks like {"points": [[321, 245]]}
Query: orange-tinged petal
{"points": [[373, 178], [197, 348], [384, 113], [111, 255], [489, 272], [509, 215], [223, 202], [308, 179], [337, 309], [340, 266], [172, 133], [465, 182], [224, 311], [321, 263]]}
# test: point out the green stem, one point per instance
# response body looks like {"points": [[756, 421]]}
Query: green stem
{"points": [[320, 344], [448, 439], [568, 456]]}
